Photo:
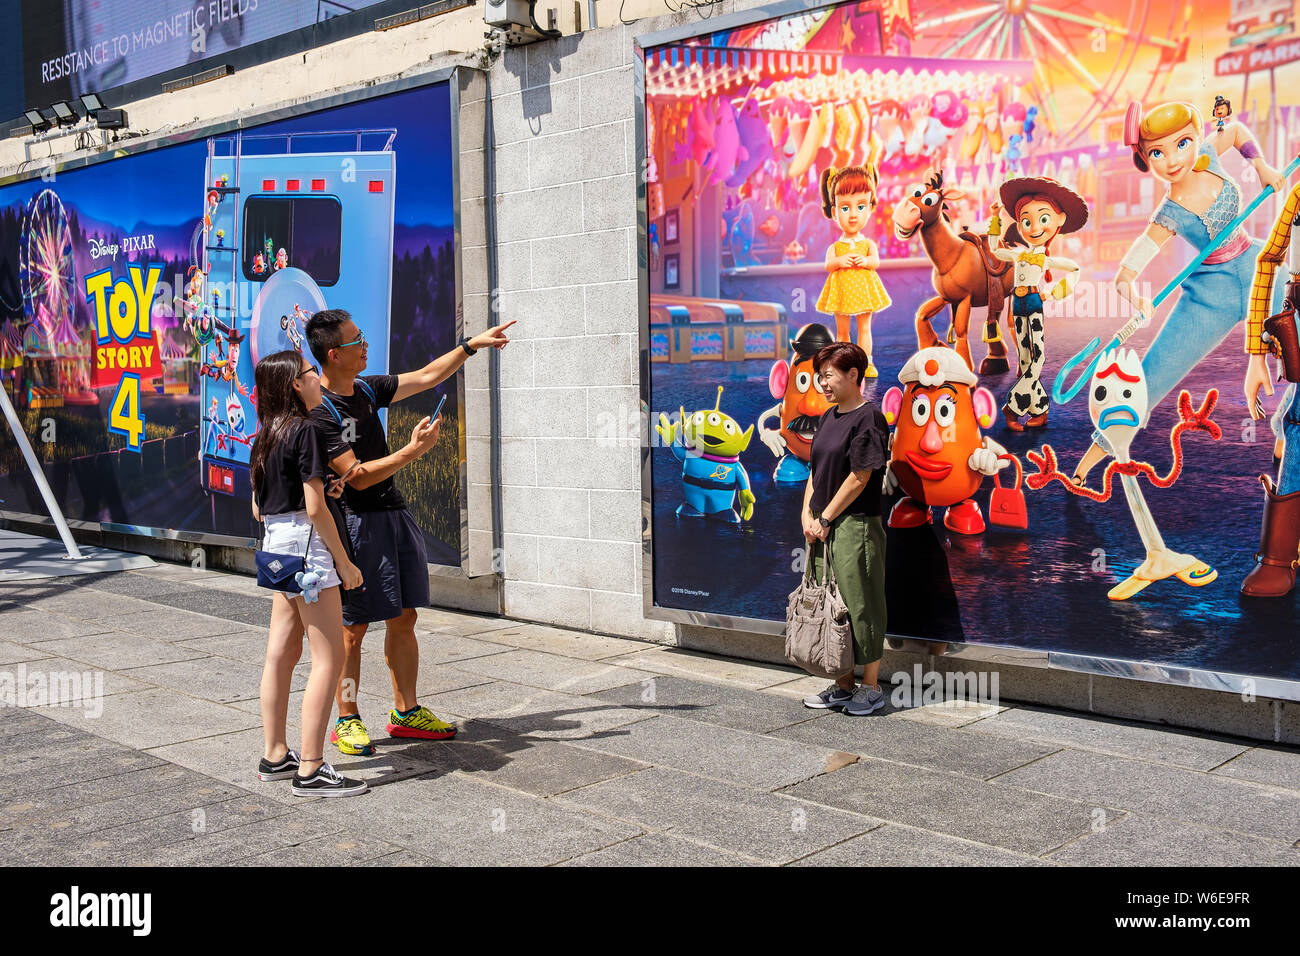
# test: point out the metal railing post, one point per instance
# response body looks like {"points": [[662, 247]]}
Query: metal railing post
{"points": [[38, 475]]}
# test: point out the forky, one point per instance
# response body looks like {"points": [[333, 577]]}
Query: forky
{"points": [[1117, 403]]}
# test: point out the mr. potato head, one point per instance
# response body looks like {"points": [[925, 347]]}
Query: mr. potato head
{"points": [[800, 405], [939, 457]]}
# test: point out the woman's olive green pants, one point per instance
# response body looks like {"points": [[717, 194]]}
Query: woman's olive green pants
{"points": [[857, 546]]}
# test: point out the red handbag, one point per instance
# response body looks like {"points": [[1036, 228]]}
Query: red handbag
{"points": [[1007, 507]]}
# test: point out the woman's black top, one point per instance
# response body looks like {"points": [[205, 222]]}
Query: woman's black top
{"points": [[847, 442], [296, 458]]}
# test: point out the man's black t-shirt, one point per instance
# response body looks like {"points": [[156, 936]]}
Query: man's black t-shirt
{"points": [[845, 442], [296, 459], [369, 443]]}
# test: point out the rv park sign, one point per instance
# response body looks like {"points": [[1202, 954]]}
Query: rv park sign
{"points": [[1277, 53]]}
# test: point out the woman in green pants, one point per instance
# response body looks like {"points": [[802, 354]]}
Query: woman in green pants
{"points": [[841, 510]]}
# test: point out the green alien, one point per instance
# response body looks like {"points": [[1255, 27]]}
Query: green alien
{"points": [[709, 447]]}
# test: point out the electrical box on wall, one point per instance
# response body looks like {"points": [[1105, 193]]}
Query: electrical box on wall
{"points": [[504, 14], [514, 22]]}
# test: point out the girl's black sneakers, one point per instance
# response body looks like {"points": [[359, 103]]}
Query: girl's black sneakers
{"points": [[278, 771], [326, 782]]}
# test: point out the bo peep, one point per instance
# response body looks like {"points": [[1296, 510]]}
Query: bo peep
{"points": [[1170, 143]]}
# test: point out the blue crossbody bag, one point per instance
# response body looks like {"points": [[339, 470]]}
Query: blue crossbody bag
{"points": [[278, 572]]}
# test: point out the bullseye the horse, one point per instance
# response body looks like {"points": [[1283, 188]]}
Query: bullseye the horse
{"points": [[966, 274]]}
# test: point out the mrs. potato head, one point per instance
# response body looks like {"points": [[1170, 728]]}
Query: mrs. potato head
{"points": [[939, 457]]}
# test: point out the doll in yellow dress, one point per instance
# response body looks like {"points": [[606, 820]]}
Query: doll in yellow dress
{"points": [[852, 286]]}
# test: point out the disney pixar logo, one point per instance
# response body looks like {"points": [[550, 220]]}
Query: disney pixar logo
{"points": [[99, 248]]}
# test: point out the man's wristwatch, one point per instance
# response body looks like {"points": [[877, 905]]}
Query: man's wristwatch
{"points": [[824, 522], [464, 343]]}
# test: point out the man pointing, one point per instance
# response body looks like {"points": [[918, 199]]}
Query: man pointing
{"points": [[387, 544]]}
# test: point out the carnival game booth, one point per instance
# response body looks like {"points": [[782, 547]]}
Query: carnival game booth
{"points": [[177, 363], [692, 329], [11, 357], [40, 370], [72, 351], [737, 138]]}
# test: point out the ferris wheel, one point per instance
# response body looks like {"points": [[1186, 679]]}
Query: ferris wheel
{"points": [[46, 274], [1130, 58]]}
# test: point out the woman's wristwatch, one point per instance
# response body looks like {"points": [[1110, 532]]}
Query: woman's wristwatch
{"points": [[464, 343], [824, 522]]}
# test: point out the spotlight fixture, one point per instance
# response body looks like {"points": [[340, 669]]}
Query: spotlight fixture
{"points": [[64, 113], [37, 119], [423, 12], [110, 119], [398, 19], [207, 76], [91, 103]]}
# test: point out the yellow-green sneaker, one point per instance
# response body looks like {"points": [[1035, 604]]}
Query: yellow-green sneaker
{"points": [[419, 723], [350, 735]]}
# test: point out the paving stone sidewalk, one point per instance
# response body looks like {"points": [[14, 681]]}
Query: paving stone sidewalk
{"points": [[576, 749]]}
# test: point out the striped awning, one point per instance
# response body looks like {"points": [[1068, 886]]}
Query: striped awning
{"points": [[11, 354], [9, 332], [686, 70], [66, 335]]}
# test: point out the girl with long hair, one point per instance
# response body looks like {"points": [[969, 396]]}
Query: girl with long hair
{"points": [[288, 468]]}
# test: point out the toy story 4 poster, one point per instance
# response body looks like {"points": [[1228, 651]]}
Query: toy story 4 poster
{"points": [[1064, 238], [137, 295]]}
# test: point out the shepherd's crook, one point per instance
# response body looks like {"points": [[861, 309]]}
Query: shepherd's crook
{"points": [[1091, 354]]}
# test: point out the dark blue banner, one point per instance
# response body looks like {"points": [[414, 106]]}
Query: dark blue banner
{"points": [[69, 47]]}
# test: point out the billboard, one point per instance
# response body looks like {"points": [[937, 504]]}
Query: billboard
{"points": [[137, 295], [1137, 568], [69, 47]]}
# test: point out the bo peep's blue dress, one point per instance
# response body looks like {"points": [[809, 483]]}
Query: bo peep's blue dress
{"points": [[1212, 300]]}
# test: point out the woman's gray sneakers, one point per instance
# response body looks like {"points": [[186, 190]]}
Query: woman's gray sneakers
{"points": [[865, 700], [831, 698]]}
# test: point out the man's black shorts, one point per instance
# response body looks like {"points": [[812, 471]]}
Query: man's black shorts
{"points": [[388, 547]]}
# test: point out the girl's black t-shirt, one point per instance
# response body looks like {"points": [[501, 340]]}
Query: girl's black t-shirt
{"points": [[847, 442], [296, 459]]}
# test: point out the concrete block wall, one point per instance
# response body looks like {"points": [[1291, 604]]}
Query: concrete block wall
{"points": [[563, 114], [476, 315]]}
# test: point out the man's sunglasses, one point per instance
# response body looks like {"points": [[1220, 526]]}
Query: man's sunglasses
{"points": [[359, 340]]}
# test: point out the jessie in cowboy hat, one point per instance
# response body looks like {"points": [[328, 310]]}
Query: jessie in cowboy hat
{"points": [[1041, 209], [1065, 202]]}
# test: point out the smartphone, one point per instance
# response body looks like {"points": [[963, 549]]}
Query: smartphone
{"points": [[438, 410]]}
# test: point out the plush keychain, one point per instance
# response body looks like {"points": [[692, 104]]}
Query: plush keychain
{"points": [[310, 581]]}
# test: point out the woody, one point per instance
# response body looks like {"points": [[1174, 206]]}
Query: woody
{"points": [[1279, 544]]}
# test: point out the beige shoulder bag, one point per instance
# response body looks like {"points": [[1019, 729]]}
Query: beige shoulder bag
{"points": [[817, 633]]}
